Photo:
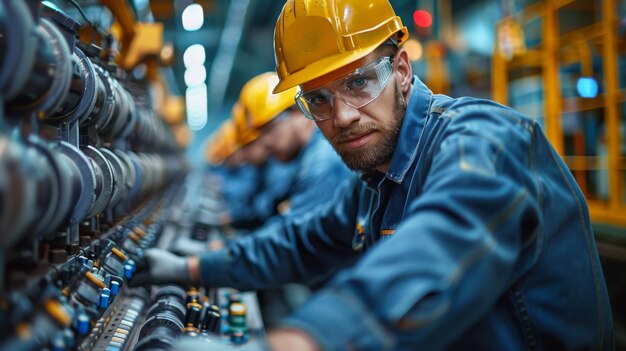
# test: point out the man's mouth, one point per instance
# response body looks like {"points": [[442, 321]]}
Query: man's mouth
{"points": [[356, 141]]}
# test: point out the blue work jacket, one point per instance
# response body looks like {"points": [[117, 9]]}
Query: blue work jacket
{"points": [[274, 181], [318, 174], [477, 238], [238, 183]]}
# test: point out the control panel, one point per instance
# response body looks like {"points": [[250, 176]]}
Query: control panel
{"points": [[90, 177]]}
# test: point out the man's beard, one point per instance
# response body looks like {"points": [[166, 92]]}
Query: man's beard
{"points": [[370, 157]]}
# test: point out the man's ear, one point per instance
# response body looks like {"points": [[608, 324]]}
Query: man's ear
{"points": [[404, 70]]}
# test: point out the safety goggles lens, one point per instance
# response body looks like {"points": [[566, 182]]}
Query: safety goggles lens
{"points": [[356, 89]]}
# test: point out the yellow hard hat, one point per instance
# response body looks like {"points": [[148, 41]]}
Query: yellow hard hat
{"points": [[222, 143], [313, 38], [258, 105], [244, 134]]}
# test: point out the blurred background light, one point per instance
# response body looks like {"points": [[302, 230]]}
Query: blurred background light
{"points": [[587, 87], [414, 49], [193, 17], [422, 18], [197, 109], [167, 54], [195, 76], [195, 55]]}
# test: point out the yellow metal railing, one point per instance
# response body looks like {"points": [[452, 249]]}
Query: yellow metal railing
{"points": [[553, 51]]}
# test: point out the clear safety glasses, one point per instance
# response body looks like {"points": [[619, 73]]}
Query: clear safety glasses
{"points": [[357, 89]]}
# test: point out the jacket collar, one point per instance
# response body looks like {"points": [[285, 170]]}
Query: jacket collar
{"points": [[417, 110]]}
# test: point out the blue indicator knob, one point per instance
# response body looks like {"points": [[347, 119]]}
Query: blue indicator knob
{"points": [[115, 287], [104, 300], [132, 264], [128, 271], [82, 325], [82, 259]]}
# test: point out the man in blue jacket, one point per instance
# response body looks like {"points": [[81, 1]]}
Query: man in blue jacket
{"points": [[465, 229], [292, 138], [298, 169]]}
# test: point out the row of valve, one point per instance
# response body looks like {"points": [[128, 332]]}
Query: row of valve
{"points": [[70, 306], [45, 187], [87, 303], [80, 143], [88, 176]]}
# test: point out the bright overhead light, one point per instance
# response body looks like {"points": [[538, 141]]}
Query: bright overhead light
{"points": [[194, 56], [197, 109], [195, 76], [193, 17]]}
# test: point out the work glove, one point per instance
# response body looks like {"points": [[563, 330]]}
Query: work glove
{"points": [[159, 266]]}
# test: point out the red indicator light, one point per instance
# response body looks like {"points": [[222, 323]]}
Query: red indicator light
{"points": [[422, 19]]}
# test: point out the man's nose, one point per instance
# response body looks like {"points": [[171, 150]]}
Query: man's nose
{"points": [[344, 114]]}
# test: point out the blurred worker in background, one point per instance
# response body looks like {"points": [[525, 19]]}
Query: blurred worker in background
{"points": [[251, 204], [231, 177], [289, 137], [304, 170], [465, 229], [296, 167], [236, 168]]}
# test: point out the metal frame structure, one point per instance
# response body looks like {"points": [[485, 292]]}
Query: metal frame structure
{"points": [[553, 51]]}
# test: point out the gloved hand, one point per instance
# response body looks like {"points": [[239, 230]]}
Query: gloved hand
{"points": [[161, 267]]}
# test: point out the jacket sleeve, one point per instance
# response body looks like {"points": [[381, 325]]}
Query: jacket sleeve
{"points": [[299, 250], [262, 206], [320, 176], [452, 256], [275, 185]]}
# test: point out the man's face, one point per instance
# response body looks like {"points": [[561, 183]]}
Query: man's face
{"points": [[279, 139], [254, 153], [366, 138], [235, 159]]}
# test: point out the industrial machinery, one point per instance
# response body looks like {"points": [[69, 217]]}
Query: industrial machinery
{"points": [[90, 176]]}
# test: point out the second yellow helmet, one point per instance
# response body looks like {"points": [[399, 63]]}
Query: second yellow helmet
{"points": [[259, 105]]}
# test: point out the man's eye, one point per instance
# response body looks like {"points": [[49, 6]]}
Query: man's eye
{"points": [[357, 83], [319, 99]]}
